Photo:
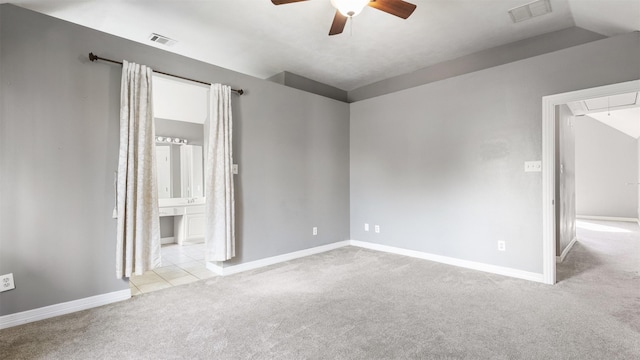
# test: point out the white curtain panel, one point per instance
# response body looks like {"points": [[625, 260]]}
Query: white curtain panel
{"points": [[219, 233], [138, 237]]}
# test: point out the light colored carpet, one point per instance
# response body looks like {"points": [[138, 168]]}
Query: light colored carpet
{"points": [[352, 303]]}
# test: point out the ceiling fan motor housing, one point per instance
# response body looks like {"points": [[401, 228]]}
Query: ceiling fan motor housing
{"points": [[349, 8]]}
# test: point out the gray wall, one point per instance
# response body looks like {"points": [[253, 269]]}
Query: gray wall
{"points": [[500, 55], [302, 83], [606, 160], [277, 78], [312, 86], [440, 166], [166, 226], [59, 144], [565, 178]]}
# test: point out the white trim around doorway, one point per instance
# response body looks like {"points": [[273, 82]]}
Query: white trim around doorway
{"points": [[548, 163]]}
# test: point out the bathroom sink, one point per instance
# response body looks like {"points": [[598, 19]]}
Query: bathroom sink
{"points": [[180, 202]]}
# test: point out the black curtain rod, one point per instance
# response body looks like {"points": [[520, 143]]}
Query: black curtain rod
{"points": [[94, 57]]}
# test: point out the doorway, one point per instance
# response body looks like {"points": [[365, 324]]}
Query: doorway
{"points": [[549, 163], [181, 109]]}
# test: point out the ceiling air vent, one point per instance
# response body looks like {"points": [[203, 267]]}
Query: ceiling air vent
{"points": [[162, 40], [530, 10]]}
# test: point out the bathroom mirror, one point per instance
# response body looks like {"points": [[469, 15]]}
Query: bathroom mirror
{"points": [[179, 171], [179, 159]]}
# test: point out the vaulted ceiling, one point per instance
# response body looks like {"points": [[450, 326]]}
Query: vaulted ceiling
{"points": [[257, 38]]}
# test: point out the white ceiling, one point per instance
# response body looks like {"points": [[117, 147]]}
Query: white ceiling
{"points": [[175, 99], [625, 120], [257, 38]]}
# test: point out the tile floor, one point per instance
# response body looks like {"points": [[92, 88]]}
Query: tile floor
{"points": [[181, 264]]}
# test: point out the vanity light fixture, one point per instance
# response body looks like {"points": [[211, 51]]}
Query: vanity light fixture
{"points": [[171, 140]]}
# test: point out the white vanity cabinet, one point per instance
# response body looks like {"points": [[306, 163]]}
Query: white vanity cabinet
{"points": [[188, 220], [190, 226]]}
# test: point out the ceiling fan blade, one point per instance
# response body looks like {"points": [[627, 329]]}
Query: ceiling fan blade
{"points": [[339, 21], [282, 2], [398, 8]]}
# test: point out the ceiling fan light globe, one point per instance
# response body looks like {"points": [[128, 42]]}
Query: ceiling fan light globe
{"points": [[349, 8]]}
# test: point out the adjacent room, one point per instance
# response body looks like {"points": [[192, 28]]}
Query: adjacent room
{"points": [[326, 179]]}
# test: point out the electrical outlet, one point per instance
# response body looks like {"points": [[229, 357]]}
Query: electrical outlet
{"points": [[366, 227], [502, 246], [315, 231], [377, 228], [6, 282]]}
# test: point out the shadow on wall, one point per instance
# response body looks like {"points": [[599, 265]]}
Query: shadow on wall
{"points": [[580, 260]]}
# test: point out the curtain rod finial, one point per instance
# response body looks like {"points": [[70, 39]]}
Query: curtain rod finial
{"points": [[93, 57]]}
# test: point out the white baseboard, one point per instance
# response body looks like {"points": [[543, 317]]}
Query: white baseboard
{"points": [[606, 218], [566, 250], [500, 270], [46, 312], [234, 269], [167, 240], [68, 307]]}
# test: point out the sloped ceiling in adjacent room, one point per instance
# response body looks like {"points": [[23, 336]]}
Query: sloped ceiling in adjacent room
{"points": [[257, 38], [621, 111], [625, 120]]}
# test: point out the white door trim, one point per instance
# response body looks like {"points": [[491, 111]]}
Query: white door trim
{"points": [[548, 163]]}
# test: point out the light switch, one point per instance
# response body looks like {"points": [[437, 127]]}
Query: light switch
{"points": [[533, 166], [234, 169]]}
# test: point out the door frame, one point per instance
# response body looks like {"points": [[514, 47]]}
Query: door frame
{"points": [[549, 163]]}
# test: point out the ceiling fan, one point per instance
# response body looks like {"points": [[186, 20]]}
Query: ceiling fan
{"points": [[346, 9]]}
